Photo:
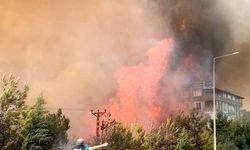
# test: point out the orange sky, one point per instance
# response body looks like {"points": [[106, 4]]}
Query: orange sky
{"points": [[69, 50]]}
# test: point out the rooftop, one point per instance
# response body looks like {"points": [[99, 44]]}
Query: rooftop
{"points": [[209, 85]]}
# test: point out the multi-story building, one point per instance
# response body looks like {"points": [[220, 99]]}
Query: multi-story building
{"points": [[200, 96]]}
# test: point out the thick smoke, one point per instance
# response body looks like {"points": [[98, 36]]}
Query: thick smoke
{"points": [[233, 72], [200, 29], [70, 50]]}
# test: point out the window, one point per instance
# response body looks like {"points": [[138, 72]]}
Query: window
{"points": [[208, 92], [223, 106], [231, 109], [220, 107], [233, 98], [219, 94], [197, 92], [228, 96], [224, 95], [209, 104], [198, 105], [225, 109]]}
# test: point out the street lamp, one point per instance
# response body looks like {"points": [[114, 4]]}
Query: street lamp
{"points": [[214, 108]]}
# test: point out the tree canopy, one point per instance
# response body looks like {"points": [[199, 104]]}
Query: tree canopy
{"points": [[28, 127], [184, 132], [34, 128]]}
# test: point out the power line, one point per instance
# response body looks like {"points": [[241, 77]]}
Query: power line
{"points": [[65, 108]]}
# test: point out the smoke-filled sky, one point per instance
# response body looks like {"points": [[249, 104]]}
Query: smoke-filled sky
{"points": [[71, 49]]}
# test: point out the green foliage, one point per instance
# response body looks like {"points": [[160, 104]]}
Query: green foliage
{"points": [[43, 130], [34, 128], [60, 124], [120, 137], [232, 134], [222, 128], [185, 141], [206, 140], [12, 111], [164, 137], [36, 131], [24, 127], [196, 125], [237, 134], [184, 132], [226, 146], [138, 136], [246, 130]]}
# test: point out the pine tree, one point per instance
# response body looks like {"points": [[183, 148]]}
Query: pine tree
{"points": [[44, 131], [12, 111], [24, 127], [36, 131]]}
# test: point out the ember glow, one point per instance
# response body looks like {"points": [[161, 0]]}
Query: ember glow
{"points": [[138, 86]]}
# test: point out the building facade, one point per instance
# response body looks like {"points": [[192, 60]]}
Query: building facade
{"points": [[200, 96]]}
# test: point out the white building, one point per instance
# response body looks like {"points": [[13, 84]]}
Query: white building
{"points": [[201, 97]]}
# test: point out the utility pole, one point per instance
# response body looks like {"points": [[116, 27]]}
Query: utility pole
{"points": [[214, 90], [98, 114]]}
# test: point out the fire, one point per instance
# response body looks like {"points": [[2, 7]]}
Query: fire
{"points": [[136, 99]]}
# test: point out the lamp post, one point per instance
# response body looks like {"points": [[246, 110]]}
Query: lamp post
{"points": [[214, 107]]}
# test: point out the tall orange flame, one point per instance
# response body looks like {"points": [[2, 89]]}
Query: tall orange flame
{"points": [[136, 97]]}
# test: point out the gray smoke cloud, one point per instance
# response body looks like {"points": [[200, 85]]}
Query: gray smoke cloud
{"points": [[206, 29], [70, 50], [200, 29]]}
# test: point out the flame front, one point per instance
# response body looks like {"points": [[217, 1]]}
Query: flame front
{"points": [[136, 99]]}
